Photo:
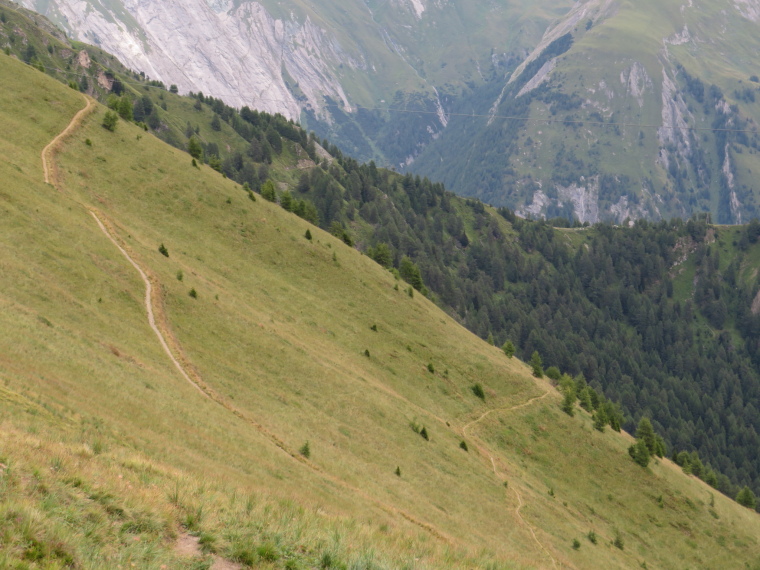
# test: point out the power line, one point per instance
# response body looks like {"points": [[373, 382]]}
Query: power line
{"points": [[547, 121], [550, 121]]}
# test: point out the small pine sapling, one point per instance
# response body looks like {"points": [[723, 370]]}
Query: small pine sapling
{"points": [[463, 445], [305, 450], [537, 365], [568, 403], [424, 434], [163, 251], [307, 235], [477, 389]]}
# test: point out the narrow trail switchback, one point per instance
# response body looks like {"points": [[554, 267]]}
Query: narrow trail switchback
{"points": [[159, 323]]}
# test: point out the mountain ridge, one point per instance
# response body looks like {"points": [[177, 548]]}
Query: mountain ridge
{"points": [[650, 114]]}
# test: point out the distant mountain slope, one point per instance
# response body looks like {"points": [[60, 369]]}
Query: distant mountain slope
{"points": [[650, 113], [319, 61], [108, 454]]}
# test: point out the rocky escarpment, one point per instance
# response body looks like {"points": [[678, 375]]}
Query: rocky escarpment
{"points": [[239, 53]]}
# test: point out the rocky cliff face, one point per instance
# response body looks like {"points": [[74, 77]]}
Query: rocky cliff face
{"points": [[238, 53], [318, 60], [601, 109]]}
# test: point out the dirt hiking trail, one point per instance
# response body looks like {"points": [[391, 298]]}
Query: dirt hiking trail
{"points": [[49, 168], [159, 323], [483, 449]]}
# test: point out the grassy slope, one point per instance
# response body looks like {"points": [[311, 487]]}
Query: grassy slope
{"points": [[279, 330]]}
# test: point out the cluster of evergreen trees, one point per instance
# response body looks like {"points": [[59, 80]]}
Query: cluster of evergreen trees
{"points": [[604, 412]]}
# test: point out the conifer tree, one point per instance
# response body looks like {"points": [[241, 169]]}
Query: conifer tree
{"points": [[645, 432], [568, 403], [600, 419], [410, 272], [382, 254], [660, 449], [286, 201], [509, 349], [194, 148], [537, 365], [268, 191], [125, 108], [639, 452], [584, 397], [746, 498]]}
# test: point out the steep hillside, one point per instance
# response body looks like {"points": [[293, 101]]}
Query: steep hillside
{"points": [[581, 298], [280, 341]]}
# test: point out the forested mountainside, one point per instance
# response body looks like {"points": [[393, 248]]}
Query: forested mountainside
{"points": [[659, 317], [599, 110]]}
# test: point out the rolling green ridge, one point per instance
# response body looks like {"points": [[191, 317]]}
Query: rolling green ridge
{"points": [[108, 454]]}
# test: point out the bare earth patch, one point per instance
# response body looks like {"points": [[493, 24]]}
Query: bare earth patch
{"points": [[187, 545]]}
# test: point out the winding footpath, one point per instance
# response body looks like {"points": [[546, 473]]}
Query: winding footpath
{"points": [[159, 323], [48, 153], [149, 306], [480, 445]]}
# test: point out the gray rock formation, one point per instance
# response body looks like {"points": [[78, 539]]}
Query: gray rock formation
{"points": [[238, 53]]}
